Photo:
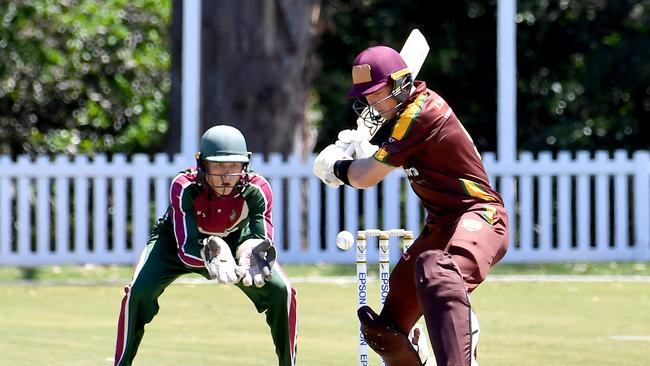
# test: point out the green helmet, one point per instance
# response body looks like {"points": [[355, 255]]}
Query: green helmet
{"points": [[223, 144]]}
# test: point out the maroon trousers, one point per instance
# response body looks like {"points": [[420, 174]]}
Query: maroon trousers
{"points": [[445, 263]]}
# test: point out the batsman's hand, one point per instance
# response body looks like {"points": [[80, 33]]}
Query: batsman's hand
{"points": [[324, 165], [256, 258], [356, 144], [219, 261]]}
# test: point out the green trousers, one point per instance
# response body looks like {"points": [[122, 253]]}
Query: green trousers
{"points": [[159, 266]]}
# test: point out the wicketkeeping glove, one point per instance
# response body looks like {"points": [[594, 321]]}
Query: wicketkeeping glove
{"points": [[324, 165], [256, 258], [219, 261]]}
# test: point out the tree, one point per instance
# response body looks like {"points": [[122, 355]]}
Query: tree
{"points": [[460, 66], [584, 80], [79, 75], [257, 68]]}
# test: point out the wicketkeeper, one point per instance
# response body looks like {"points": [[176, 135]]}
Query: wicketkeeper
{"points": [[218, 224], [466, 229]]}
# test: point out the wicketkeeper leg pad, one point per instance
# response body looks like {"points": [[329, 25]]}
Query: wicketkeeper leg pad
{"points": [[393, 346]]}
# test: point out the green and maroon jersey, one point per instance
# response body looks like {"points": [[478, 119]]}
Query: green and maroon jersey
{"points": [[439, 157], [195, 213]]}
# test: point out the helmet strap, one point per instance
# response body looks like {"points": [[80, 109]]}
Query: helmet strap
{"points": [[200, 167]]}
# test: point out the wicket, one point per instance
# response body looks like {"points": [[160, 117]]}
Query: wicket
{"points": [[384, 272]]}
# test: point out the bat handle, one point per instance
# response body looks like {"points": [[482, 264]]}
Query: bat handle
{"points": [[350, 150]]}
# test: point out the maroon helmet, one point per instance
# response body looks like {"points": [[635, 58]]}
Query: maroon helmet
{"points": [[373, 69]]}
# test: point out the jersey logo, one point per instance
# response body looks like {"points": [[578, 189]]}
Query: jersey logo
{"points": [[438, 103], [233, 215], [411, 172], [471, 225]]}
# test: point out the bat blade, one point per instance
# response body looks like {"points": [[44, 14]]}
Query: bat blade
{"points": [[415, 51]]}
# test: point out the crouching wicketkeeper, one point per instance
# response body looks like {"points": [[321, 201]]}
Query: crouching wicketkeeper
{"points": [[219, 225]]}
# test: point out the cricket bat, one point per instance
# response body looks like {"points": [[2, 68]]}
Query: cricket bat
{"points": [[414, 52]]}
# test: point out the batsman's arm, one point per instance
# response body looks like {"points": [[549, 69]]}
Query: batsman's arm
{"points": [[362, 173]]}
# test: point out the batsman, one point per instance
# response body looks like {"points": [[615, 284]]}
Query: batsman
{"points": [[466, 229], [218, 225]]}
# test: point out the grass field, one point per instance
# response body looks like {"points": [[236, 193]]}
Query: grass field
{"points": [[523, 323]]}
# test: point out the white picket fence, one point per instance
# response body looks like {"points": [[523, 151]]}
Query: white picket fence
{"points": [[100, 210]]}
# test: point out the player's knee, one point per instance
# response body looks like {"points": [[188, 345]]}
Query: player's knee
{"points": [[141, 292], [466, 260], [279, 286], [437, 274], [278, 290], [432, 264], [143, 299]]}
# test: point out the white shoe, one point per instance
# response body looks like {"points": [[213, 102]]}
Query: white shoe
{"points": [[419, 342]]}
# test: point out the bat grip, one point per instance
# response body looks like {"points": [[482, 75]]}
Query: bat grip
{"points": [[350, 149]]}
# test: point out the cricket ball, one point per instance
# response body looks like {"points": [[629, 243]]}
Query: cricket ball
{"points": [[344, 240]]}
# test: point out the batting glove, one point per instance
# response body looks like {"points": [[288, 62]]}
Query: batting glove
{"points": [[324, 165], [355, 144]]}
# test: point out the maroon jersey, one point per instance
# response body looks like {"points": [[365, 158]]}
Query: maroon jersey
{"points": [[195, 213], [438, 155]]}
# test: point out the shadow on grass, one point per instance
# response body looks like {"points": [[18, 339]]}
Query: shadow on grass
{"points": [[29, 273]]}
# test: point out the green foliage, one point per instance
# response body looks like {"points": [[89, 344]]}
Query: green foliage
{"points": [[82, 75], [583, 77], [460, 65], [584, 81]]}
